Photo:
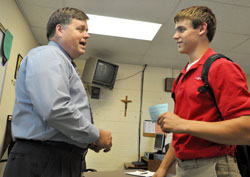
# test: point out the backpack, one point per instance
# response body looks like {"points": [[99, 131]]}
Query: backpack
{"points": [[242, 151]]}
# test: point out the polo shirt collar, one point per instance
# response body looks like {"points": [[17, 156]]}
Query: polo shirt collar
{"points": [[205, 56], [202, 60]]}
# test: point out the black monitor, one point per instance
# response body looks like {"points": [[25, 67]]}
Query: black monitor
{"points": [[105, 74], [100, 72], [159, 142]]}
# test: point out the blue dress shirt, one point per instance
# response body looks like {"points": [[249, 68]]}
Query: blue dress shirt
{"points": [[51, 102]]}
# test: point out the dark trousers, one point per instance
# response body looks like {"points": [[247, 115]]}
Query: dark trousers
{"points": [[36, 159]]}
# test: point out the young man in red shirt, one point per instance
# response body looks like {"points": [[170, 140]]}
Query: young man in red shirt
{"points": [[203, 142]]}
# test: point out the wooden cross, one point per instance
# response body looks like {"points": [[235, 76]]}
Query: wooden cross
{"points": [[126, 101]]}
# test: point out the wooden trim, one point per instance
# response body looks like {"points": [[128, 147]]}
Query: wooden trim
{"points": [[2, 28]]}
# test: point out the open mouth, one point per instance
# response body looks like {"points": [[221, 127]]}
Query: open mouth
{"points": [[83, 43], [179, 43]]}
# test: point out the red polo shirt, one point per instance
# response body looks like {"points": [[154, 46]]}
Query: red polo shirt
{"points": [[229, 85]]}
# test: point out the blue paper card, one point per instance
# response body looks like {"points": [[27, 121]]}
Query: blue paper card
{"points": [[156, 110]]}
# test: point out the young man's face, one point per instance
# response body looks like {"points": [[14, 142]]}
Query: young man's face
{"points": [[186, 36], [74, 38]]}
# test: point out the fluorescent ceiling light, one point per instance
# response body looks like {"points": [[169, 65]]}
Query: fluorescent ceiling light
{"points": [[122, 27]]}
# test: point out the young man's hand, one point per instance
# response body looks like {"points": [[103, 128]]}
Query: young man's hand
{"points": [[170, 122], [160, 172]]}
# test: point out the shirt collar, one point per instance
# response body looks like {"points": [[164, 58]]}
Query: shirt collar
{"points": [[202, 60], [205, 56], [53, 43]]}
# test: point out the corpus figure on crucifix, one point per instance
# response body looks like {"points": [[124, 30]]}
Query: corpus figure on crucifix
{"points": [[126, 101]]}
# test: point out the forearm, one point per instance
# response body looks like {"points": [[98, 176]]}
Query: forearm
{"points": [[168, 159], [234, 131]]}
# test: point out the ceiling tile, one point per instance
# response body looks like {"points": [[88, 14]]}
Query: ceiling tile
{"points": [[242, 60], [243, 3], [145, 10], [244, 48], [227, 41], [40, 35], [36, 15], [42, 3]]}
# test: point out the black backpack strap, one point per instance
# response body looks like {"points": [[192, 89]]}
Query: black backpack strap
{"points": [[204, 76], [205, 70], [177, 80]]}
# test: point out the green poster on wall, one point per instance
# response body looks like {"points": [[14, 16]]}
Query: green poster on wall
{"points": [[2, 67], [7, 44]]}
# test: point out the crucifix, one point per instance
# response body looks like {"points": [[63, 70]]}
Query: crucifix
{"points": [[126, 101]]}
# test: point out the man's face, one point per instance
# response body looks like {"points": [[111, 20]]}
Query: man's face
{"points": [[74, 38], [186, 36]]}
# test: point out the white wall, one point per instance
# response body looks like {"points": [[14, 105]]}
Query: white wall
{"points": [[108, 112], [23, 41]]}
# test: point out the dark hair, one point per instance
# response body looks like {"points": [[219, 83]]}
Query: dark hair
{"points": [[198, 15], [63, 16]]}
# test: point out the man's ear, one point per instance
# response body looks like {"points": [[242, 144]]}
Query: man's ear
{"points": [[203, 28], [59, 30]]}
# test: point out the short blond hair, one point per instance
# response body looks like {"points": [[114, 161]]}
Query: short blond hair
{"points": [[198, 15]]}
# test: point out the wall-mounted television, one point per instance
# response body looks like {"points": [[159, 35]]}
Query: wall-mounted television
{"points": [[99, 72]]}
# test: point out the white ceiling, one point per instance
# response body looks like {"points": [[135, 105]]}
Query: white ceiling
{"points": [[232, 37]]}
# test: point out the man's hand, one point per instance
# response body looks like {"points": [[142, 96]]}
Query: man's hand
{"points": [[95, 148], [104, 141], [170, 122]]}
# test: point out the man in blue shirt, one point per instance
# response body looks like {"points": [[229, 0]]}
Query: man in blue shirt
{"points": [[51, 120]]}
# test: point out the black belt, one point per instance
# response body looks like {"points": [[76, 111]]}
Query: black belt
{"points": [[55, 144]]}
